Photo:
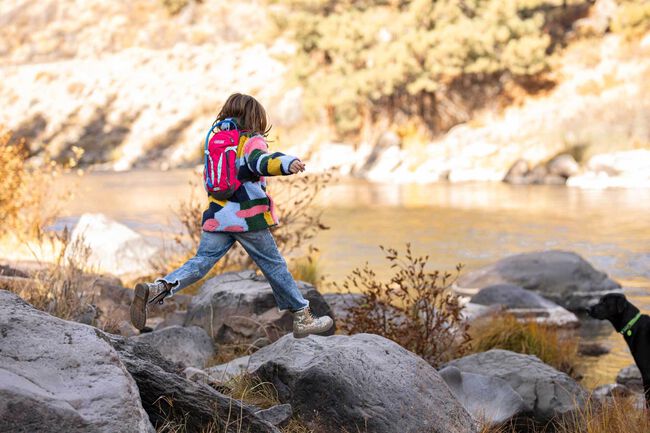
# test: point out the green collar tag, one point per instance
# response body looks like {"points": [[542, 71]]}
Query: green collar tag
{"points": [[628, 328]]}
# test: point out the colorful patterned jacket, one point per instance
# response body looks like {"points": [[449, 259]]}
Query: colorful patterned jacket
{"points": [[250, 208]]}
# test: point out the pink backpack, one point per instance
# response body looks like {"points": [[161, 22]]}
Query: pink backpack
{"points": [[220, 171]]}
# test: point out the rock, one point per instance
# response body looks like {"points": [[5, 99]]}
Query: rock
{"points": [[114, 248], [387, 140], [10, 271], [552, 179], [190, 346], [517, 173], [167, 395], [239, 307], [537, 174], [561, 276], [124, 328], [598, 21], [472, 312], [225, 372], [563, 165], [592, 348], [625, 169], [60, 376], [362, 382], [175, 318], [545, 391], [277, 415], [630, 376], [490, 400], [340, 303], [196, 375], [525, 305], [88, 315], [611, 390]]}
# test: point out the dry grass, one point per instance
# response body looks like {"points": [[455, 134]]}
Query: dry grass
{"points": [[619, 415], [506, 332], [249, 389], [245, 388], [307, 269], [62, 288]]}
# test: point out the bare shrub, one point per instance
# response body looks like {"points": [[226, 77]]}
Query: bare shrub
{"points": [[26, 205], [416, 308], [300, 221], [12, 170]]}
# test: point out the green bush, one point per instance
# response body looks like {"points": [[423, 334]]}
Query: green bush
{"points": [[632, 18], [174, 6], [363, 60]]}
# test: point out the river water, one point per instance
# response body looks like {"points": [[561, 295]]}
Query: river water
{"points": [[474, 224]]}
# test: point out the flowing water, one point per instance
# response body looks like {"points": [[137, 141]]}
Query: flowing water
{"points": [[474, 224]]}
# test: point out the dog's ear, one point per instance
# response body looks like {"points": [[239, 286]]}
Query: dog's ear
{"points": [[621, 303]]}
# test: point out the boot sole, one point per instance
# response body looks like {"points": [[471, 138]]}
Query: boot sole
{"points": [[307, 334], [139, 306]]}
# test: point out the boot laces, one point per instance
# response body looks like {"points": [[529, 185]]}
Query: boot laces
{"points": [[309, 317], [162, 292]]}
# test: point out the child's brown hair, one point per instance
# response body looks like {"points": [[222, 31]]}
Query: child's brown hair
{"points": [[248, 112]]}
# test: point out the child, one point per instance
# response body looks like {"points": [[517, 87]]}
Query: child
{"points": [[245, 217]]}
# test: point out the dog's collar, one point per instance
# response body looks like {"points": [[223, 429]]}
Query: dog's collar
{"points": [[627, 330]]}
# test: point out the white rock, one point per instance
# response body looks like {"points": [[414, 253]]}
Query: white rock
{"points": [[114, 248]]}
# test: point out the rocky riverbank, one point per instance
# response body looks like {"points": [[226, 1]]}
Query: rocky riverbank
{"points": [[78, 376]]}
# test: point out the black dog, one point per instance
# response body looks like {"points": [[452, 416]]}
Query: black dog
{"points": [[635, 327]]}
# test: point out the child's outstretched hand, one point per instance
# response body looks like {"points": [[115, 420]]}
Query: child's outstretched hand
{"points": [[297, 166]]}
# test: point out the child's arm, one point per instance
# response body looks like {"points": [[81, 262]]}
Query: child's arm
{"points": [[262, 163]]}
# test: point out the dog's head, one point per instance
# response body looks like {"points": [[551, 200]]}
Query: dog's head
{"points": [[609, 306]]}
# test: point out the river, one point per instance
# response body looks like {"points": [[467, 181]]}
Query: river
{"points": [[474, 224]]}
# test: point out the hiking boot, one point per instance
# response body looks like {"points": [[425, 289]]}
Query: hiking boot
{"points": [[158, 291], [304, 323]]}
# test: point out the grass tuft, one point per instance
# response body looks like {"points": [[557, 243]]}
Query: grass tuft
{"points": [[547, 343]]}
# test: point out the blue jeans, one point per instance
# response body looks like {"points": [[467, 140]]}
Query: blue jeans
{"points": [[261, 246]]}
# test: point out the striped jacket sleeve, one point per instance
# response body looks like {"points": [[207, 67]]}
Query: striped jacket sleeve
{"points": [[262, 163]]}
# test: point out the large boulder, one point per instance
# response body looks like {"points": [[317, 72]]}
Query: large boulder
{"points": [[113, 247], [525, 305], [490, 400], [561, 276], [239, 307], [190, 346], [362, 382], [168, 397], [60, 376], [546, 392]]}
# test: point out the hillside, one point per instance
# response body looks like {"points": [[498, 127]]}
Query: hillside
{"points": [[135, 85]]}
